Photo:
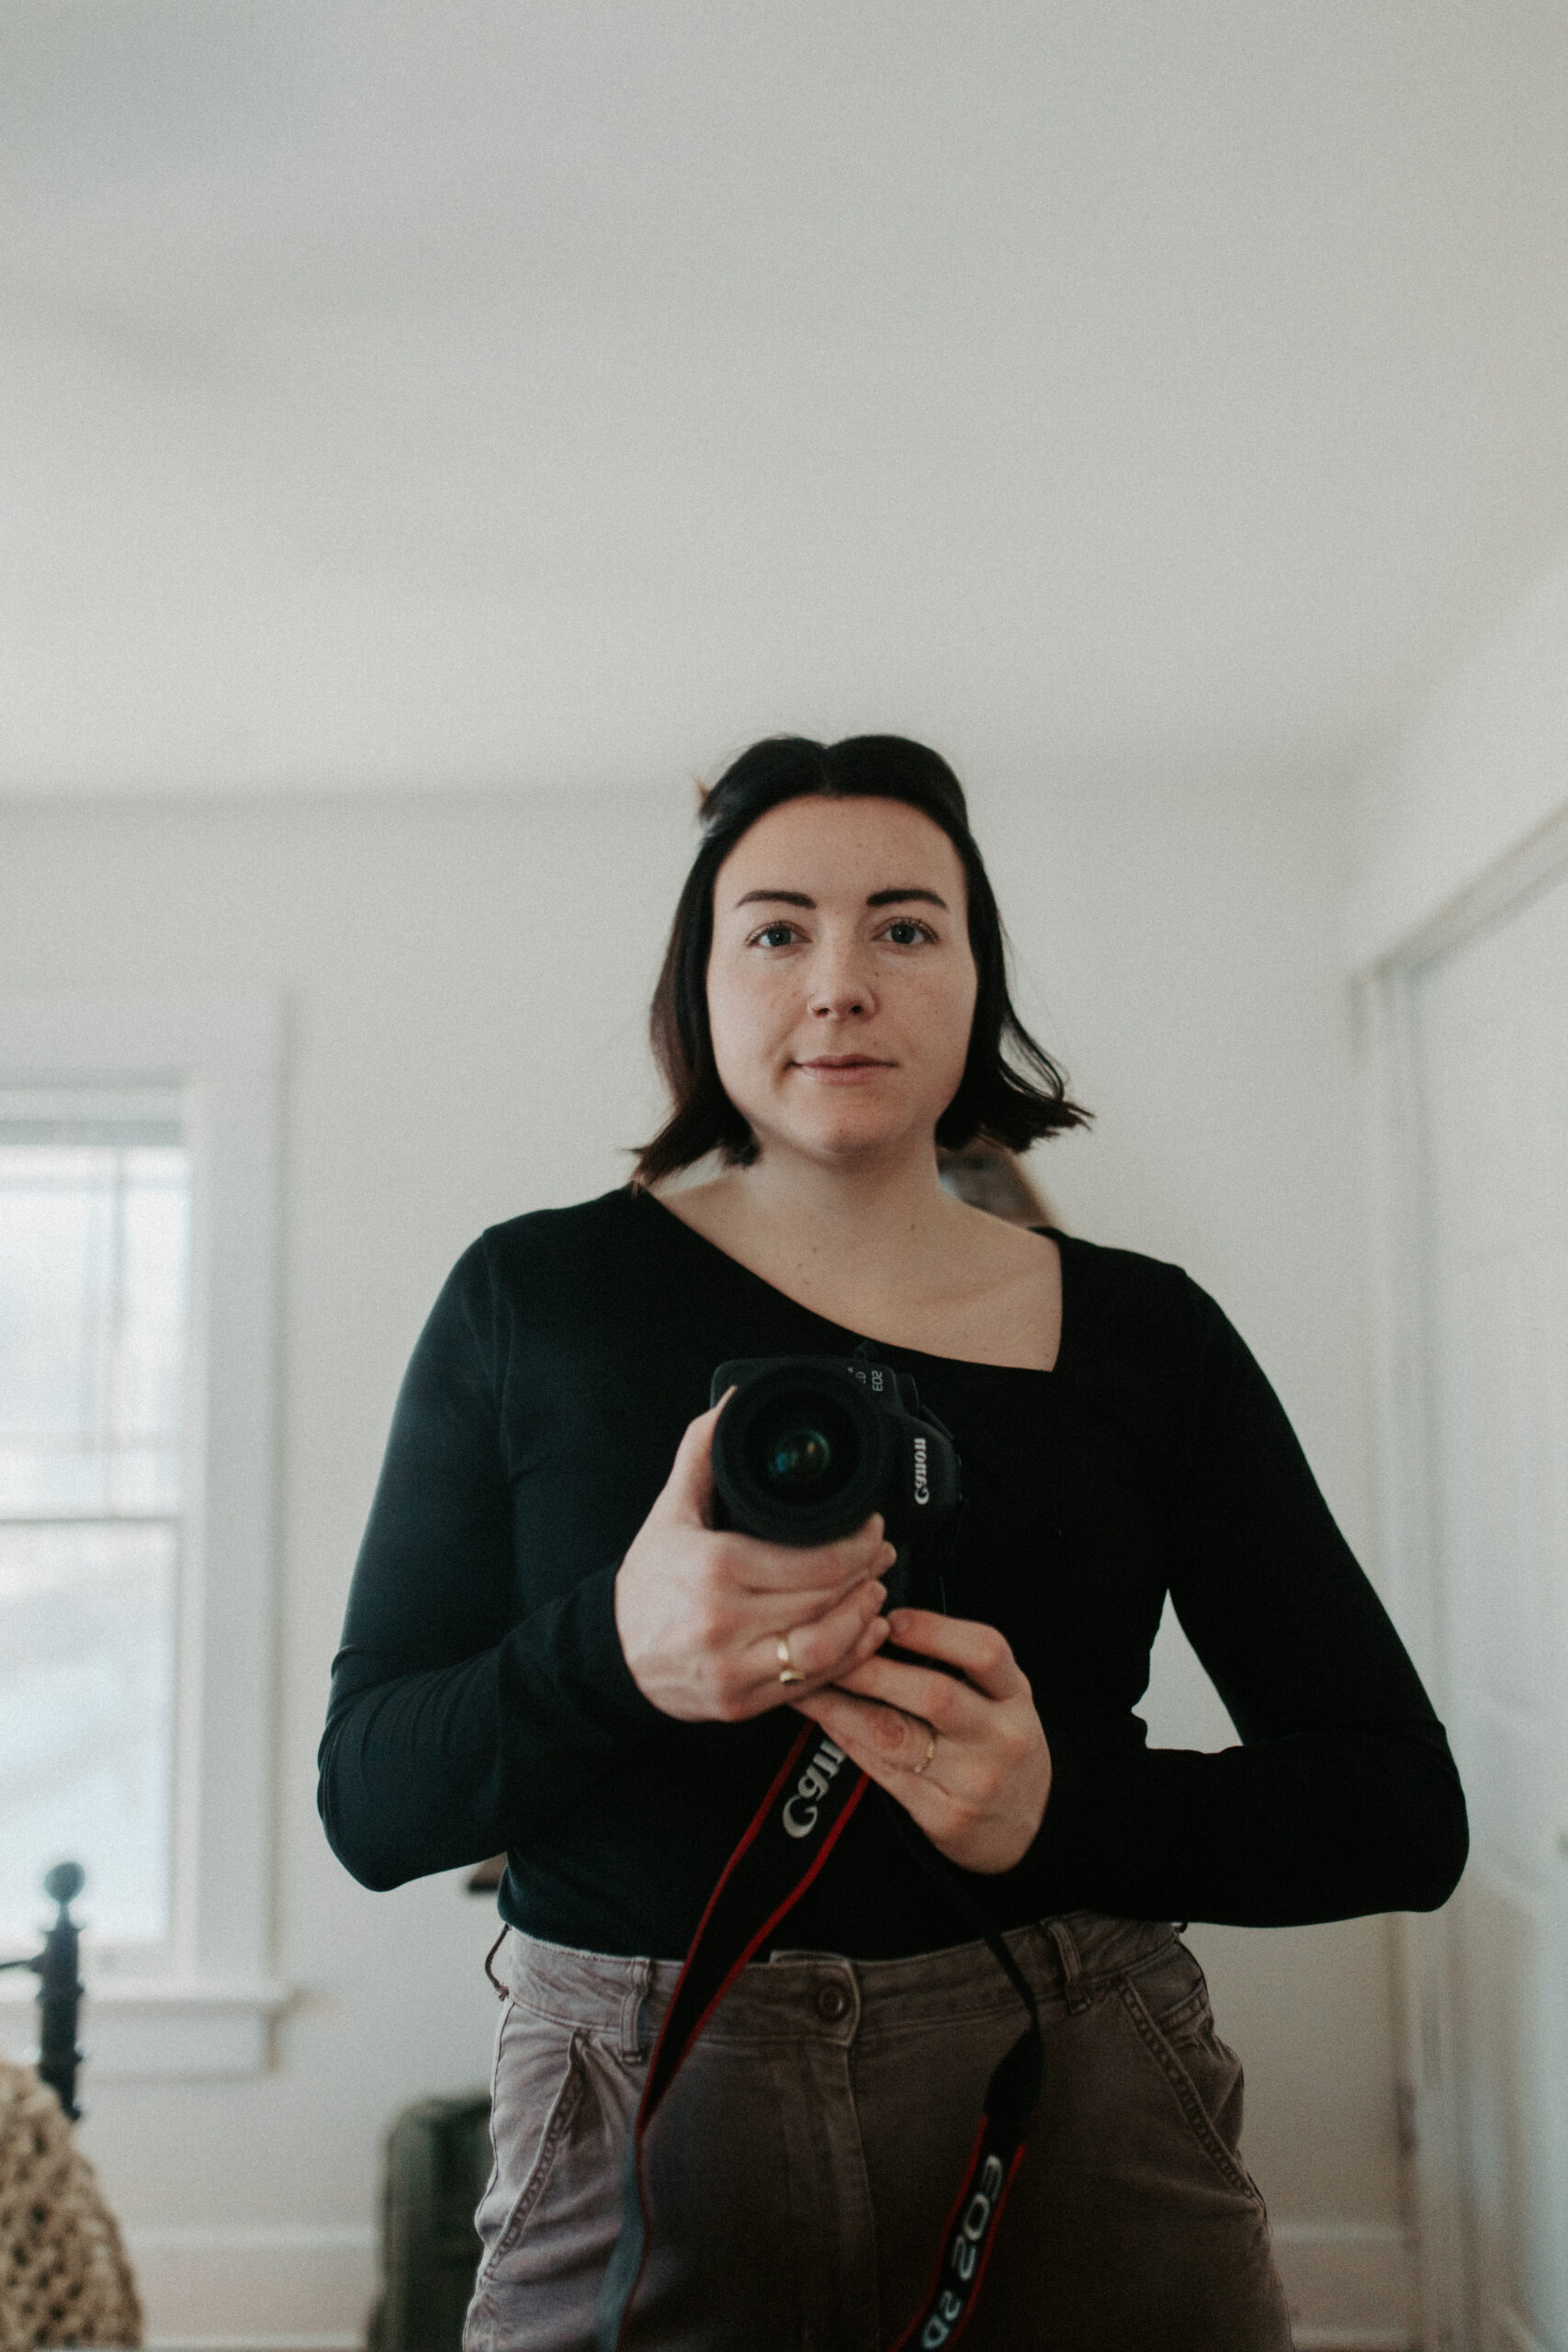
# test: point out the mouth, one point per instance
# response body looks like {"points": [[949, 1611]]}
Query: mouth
{"points": [[843, 1066]]}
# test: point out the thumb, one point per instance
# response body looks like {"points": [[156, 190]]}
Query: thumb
{"points": [[688, 1492]]}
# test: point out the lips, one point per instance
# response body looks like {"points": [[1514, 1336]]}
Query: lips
{"points": [[842, 1070]]}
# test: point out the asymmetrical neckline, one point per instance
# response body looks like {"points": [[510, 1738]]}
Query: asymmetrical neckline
{"points": [[741, 1272]]}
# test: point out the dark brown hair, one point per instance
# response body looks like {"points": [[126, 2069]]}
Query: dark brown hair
{"points": [[1010, 1089]]}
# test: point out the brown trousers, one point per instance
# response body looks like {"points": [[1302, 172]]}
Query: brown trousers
{"points": [[801, 2171]]}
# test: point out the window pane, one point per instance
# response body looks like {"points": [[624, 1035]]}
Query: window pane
{"points": [[56, 1234], [93, 1293], [147, 1402], [86, 1698]]}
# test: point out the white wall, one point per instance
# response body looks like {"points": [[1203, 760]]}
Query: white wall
{"points": [[1482, 770], [466, 980], [1467, 811], [1181, 951]]}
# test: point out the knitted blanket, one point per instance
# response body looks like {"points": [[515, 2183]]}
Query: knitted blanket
{"points": [[64, 2275]]}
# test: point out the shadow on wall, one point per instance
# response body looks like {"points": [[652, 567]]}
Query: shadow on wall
{"points": [[990, 1178]]}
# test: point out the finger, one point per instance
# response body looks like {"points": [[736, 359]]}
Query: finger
{"points": [[688, 1490], [896, 1740], [888, 1748], [949, 1797], [764, 1695], [756, 1613], [830, 1645], [978, 1651], [959, 1714], [760, 1566]]}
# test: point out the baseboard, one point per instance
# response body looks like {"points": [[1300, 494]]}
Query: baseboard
{"points": [[1307, 2338], [317, 2343], [1516, 2332], [1351, 2286], [294, 2288], [1340, 2339], [288, 2288]]}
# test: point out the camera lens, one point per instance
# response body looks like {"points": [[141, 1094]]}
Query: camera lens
{"points": [[800, 1460], [802, 1449], [801, 1454]]}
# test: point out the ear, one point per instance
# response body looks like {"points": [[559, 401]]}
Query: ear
{"points": [[702, 791]]}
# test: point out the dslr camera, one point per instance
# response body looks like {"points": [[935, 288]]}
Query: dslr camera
{"points": [[809, 1446]]}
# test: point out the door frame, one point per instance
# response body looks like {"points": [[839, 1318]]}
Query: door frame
{"points": [[1425, 1960]]}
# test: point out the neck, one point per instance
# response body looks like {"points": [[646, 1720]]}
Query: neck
{"points": [[868, 1215]]}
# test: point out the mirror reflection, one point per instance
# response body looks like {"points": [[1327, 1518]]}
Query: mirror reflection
{"points": [[865, 705]]}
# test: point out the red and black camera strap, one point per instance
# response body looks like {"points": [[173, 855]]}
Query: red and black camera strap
{"points": [[790, 1837]]}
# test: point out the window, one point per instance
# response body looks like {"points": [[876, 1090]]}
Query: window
{"points": [[95, 1262], [138, 1203]]}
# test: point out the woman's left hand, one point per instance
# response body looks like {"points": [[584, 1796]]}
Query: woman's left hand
{"points": [[981, 1796]]}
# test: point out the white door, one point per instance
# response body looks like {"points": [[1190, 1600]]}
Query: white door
{"points": [[1491, 1040]]}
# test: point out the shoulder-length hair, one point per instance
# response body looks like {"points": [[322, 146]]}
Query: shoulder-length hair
{"points": [[1011, 1091]]}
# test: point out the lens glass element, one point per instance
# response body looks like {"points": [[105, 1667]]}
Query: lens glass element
{"points": [[802, 1449]]}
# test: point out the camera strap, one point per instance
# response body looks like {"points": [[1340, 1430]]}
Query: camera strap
{"points": [[793, 1830]]}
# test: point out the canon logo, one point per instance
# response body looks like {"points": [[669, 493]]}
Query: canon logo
{"points": [[965, 2254], [801, 1809], [922, 1486]]}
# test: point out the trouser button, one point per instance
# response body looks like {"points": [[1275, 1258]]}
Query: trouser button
{"points": [[833, 2002]]}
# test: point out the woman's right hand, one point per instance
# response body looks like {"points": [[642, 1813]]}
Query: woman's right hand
{"points": [[700, 1612]]}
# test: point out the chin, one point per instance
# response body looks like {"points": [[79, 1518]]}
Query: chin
{"points": [[841, 1138]]}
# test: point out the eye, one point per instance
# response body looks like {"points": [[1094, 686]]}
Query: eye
{"points": [[773, 934], [905, 931]]}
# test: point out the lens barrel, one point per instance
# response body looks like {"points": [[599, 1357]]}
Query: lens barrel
{"points": [[800, 1454]]}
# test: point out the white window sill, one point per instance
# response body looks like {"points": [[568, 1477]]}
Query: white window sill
{"points": [[151, 2029]]}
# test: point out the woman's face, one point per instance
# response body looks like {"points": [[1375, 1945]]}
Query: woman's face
{"points": [[840, 982]]}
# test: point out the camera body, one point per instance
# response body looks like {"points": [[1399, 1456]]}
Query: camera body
{"points": [[809, 1446]]}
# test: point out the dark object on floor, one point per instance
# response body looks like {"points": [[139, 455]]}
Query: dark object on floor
{"points": [[439, 2160]]}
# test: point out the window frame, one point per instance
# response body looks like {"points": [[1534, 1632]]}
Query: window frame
{"points": [[201, 2003]]}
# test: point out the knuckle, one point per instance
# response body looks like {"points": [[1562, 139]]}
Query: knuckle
{"points": [[808, 1649], [728, 1693], [994, 1652], [722, 1557], [707, 1625], [942, 1706]]}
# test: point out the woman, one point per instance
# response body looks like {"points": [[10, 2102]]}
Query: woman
{"points": [[548, 1647]]}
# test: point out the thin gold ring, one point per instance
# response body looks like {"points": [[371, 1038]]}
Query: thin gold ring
{"points": [[788, 1670], [925, 1762]]}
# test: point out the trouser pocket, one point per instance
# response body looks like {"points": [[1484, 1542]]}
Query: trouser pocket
{"points": [[548, 2221], [1166, 2004]]}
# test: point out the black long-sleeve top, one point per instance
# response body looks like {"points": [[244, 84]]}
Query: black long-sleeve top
{"points": [[481, 1699]]}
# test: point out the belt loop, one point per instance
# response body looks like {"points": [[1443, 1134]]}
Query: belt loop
{"points": [[631, 2008], [503, 1991], [1079, 1997]]}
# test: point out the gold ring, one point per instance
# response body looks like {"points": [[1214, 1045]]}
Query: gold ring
{"points": [[918, 1769], [788, 1670]]}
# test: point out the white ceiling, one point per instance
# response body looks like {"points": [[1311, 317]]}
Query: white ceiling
{"points": [[470, 393]]}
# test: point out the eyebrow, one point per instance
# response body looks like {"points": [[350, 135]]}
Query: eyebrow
{"points": [[877, 898]]}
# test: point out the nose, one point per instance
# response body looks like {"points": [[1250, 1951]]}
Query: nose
{"points": [[839, 989]]}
